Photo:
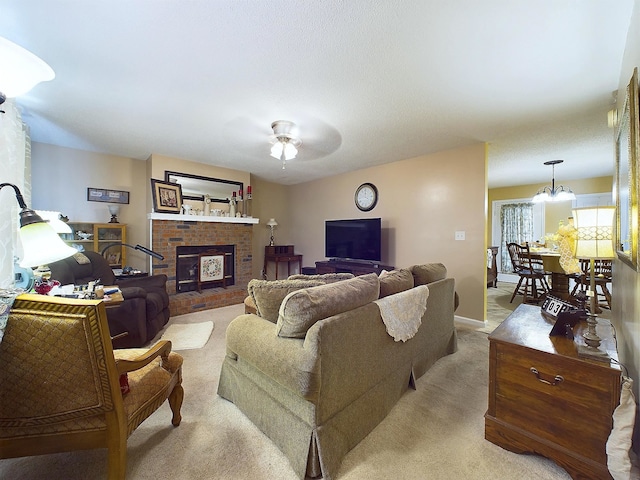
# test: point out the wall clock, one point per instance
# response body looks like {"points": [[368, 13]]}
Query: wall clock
{"points": [[366, 197]]}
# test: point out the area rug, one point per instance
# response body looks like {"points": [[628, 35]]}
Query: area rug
{"points": [[188, 336]]}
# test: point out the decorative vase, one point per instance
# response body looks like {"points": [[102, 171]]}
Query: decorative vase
{"points": [[207, 205]]}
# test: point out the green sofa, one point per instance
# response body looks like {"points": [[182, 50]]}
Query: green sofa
{"points": [[321, 377]]}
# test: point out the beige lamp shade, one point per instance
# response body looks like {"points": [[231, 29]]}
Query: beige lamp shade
{"points": [[594, 232], [42, 245]]}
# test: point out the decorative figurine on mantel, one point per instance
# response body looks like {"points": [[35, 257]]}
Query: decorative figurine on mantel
{"points": [[207, 204], [247, 202], [232, 205]]}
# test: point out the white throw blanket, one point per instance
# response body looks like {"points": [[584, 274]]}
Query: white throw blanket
{"points": [[402, 312]]}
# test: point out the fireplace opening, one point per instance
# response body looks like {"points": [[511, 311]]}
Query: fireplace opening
{"points": [[187, 267]]}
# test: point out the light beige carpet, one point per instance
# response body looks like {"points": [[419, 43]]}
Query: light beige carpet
{"points": [[187, 336], [434, 432]]}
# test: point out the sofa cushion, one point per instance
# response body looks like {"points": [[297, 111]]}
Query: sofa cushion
{"points": [[268, 295], [324, 277], [301, 309], [427, 273], [395, 281]]}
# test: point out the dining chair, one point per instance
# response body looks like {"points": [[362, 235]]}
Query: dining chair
{"points": [[602, 270], [533, 284]]}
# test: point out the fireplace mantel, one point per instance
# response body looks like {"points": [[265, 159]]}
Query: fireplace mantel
{"points": [[200, 218]]}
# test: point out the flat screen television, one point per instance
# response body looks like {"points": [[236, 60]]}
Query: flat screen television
{"points": [[356, 239]]}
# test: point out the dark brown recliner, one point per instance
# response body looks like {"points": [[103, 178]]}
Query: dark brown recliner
{"points": [[145, 309]]}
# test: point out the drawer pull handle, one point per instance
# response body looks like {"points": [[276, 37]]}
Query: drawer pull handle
{"points": [[556, 380]]}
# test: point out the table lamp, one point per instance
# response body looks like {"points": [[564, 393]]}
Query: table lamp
{"points": [[272, 223], [594, 227], [40, 242]]}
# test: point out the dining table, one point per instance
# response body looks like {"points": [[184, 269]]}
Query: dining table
{"points": [[551, 263]]}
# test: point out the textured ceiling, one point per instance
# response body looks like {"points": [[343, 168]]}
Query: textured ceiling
{"points": [[367, 81]]}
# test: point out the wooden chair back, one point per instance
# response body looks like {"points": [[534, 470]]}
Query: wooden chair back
{"points": [[60, 388], [60, 381]]}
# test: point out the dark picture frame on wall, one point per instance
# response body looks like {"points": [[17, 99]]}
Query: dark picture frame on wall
{"points": [[626, 176], [107, 196], [167, 197]]}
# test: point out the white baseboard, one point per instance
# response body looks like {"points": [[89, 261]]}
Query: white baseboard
{"points": [[468, 322]]}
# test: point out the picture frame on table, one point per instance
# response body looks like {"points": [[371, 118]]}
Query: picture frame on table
{"points": [[167, 197], [626, 176]]}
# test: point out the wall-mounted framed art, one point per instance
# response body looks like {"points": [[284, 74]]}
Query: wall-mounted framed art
{"points": [[108, 196], [626, 176], [167, 197]]}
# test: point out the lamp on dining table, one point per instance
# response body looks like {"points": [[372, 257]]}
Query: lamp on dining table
{"points": [[594, 228]]}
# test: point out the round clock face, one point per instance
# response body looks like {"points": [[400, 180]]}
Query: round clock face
{"points": [[366, 196]]}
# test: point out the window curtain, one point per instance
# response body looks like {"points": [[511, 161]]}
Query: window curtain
{"points": [[516, 221], [15, 165]]}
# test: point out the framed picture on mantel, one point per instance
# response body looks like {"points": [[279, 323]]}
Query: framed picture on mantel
{"points": [[167, 197]]}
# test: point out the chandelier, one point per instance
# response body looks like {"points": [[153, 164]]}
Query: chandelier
{"points": [[551, 193], [284, 144]]}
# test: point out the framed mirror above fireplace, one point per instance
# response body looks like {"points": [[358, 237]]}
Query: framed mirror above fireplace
{"points": [[195, 187]]}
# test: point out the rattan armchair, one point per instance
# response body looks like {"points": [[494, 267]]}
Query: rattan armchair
{"points": [[60, 386]]}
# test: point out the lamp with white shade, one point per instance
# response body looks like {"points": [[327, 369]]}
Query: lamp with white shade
{"points": [[594, 228], [21, 70], [271, 224], [114, 210], [41, 244]]}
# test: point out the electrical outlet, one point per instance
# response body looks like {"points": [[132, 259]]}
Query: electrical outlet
{"points": [[459, 235]]}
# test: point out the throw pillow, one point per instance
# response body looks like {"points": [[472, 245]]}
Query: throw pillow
{"points": [[395, 281], [324, 277], [427, 273], [81, 258], [268, 295], [303, 308]]}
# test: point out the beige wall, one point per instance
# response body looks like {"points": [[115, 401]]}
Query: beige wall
{"points": [[626, 281], [158, 164], [60, 179], [422, 202], [269, 201], [554, 212]]}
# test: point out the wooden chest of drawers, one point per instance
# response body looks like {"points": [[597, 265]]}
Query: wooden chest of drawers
{"points": [[547, 398]]}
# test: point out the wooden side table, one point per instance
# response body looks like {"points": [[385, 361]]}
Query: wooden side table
{"points": [[281, 254], [547, 398]]}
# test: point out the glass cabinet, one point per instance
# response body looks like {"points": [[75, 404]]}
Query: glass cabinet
{"points": [[104, 238]]}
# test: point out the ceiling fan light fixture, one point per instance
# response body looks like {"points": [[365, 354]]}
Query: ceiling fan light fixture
{"points": [[284, 143]]}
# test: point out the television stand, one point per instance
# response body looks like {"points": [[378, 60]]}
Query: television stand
{"points": [[357, 267]]}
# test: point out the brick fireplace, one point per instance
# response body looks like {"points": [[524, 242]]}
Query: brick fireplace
{"points": [[171, 231]]}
